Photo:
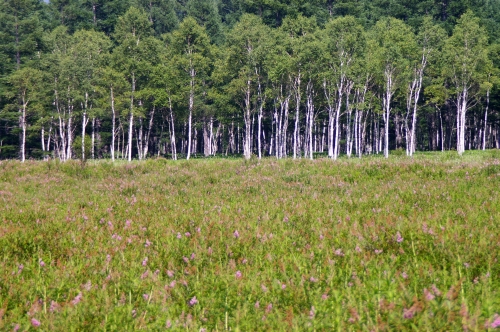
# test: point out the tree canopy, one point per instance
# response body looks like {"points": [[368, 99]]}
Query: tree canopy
{"points": [[272, 78]]}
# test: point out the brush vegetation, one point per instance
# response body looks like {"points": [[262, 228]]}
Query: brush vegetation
{"points": [[371, 244]]}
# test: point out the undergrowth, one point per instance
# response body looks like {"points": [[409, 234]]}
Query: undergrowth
{"points": [[370, 244]]}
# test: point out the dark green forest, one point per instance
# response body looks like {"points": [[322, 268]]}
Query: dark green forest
{"points": [[135, 79]]}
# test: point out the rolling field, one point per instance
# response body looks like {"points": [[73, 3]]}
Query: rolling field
{"points": [[213, 244]]}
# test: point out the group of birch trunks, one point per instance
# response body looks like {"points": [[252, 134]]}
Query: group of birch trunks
{"points": [[298, 90]]}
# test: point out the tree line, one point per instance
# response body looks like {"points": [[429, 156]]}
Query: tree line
{"points": [[132, 80]]}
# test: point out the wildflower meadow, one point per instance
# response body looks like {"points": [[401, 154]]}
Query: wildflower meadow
{"points": [[258, 245]]}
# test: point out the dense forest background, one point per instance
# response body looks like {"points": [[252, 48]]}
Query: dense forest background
{"points": [[132, 79]]}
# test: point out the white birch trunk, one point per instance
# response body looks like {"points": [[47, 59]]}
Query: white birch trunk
{"points": [[131, 120], [297, 114], [486, 118], [23, 126], [172, 138], [113, 123], [192, 73]]}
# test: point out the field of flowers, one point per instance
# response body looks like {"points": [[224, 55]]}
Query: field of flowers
{"points": [[212, 245]]}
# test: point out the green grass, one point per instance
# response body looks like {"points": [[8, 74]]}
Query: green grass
{"points": [[317, 248]]}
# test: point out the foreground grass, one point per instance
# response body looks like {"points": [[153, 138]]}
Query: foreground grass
{"points": [[372, 244]]}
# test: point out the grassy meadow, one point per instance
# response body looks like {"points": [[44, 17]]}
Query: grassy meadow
{"points": [[276, 245]]}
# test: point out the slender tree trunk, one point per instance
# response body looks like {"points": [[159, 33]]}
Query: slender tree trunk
{"points": [[131, 120], [85, 121], [486, 118], [113, 123], [93, 138], [172, 139], [297, 116], [70, 132], [387, 107], [310, 113], [191, 107], [461, 110], [23, 126], [148, 133], [248, 123], [259, 116]]}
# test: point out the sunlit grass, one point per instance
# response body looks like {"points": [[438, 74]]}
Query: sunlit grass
{"points": [[370, 244]]}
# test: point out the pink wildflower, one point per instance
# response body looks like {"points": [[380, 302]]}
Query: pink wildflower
{"points": [[238, 274], [54, 306], [428, 295], [148, 243], [283, 286], [435, 290], [179, 236], [42, 263], [404, 275], [145, 297], [324, 297], [170, 274], [193, 301], [496, 321], [35, 322], [257, 305], [312, 312], [236, 234], [399, 238], [408, 313], [168, 324], [77, 299], [145, 262], [187, 234], [312, 279], [88, 286], [269, 308]]}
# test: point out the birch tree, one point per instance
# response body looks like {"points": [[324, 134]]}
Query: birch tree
{"points": [[90, 49], [191, 50], [65, 83], [430, 41], [395, 46], [26, 90], [345, 43], [248, 41], [297, 33], [113, 86], [133, 57], [466, 56]]}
